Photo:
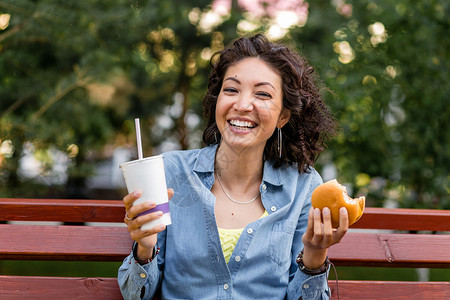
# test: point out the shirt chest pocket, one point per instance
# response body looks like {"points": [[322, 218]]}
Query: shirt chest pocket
{"points": [[280, 244]]}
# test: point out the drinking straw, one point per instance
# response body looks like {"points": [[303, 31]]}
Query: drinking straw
{"points": [[138, 138]]}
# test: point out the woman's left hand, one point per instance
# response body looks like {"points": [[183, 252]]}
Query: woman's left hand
{"points": [[319, 235]]}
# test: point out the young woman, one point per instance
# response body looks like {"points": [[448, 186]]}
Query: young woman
{"points": [[242, 222]]}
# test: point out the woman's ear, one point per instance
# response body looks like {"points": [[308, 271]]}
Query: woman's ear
{"points": [[284, 117]]}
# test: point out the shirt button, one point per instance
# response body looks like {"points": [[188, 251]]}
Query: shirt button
{"points": [[264, 187], [306, 286], [142, 275], [225, 286], [250, 230], [218, 258], [237, 258], [273, 208]]}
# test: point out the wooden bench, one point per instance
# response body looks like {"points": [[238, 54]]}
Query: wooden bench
{"points": [[361, 247]]}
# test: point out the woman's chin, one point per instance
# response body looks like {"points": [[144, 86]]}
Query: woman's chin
{"points": [[240, 144]]}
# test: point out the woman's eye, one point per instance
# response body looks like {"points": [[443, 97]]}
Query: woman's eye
{"points": [[263, 95], [230, 90]]}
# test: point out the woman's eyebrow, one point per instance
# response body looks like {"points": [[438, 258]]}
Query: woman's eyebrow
{"points": [[265, 83], [233, 79], [256, 85]]}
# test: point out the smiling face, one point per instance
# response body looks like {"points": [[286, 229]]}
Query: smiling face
{"points": [[249, 106]]}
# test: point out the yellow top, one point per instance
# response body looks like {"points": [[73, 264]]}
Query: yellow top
{"points": [[229, 238]]}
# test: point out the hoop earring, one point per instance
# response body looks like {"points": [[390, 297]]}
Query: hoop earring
{"points": [[215, 138], [280, 142]]}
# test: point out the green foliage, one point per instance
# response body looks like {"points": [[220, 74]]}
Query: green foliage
{"points": [[59, 60]]}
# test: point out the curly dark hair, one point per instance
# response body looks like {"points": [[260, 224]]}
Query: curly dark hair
{"points": [[310, 124]]}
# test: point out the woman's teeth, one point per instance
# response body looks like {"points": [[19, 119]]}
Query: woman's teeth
{"points": [[242, 124]]}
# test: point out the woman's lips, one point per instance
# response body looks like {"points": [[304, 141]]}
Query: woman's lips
{"points": [[240, 126]]}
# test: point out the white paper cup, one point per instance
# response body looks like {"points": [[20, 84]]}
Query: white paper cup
{"points": [[147, 176]]}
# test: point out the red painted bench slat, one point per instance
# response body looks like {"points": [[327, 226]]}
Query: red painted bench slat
{"points": [[44, 288], [392, 250], [92, 243], [37, 288], [43, 242], [404, 219], [65, 210], [390, 290]]}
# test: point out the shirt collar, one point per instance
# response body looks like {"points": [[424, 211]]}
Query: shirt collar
{"points": [[205, 164], [205, 159], [271, 175]]}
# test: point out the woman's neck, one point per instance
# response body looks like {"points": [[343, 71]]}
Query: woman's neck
{"points": [[243, 168]]}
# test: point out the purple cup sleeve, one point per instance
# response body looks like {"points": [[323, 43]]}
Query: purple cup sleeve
{"points": [[164, 207]]}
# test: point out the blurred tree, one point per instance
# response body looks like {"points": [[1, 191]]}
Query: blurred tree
{"points": [[73, 73]]}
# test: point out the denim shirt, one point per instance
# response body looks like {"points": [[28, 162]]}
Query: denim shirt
{"points": [[191, 264]]}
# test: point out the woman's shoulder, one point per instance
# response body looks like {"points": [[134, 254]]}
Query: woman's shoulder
{"points": [[173, 154], [289, 175], [292, 169], [311, 178], [188, 157], [177, 156]]}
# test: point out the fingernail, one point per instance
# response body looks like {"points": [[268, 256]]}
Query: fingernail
{"points": [[159, 213], [137, 194], [343, 211], [326, 211], [151, 204], [317, 211], [162, 227]]}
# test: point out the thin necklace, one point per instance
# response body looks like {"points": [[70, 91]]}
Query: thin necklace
{"points": [[229, 197]]}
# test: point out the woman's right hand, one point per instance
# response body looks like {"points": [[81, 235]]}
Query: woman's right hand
{"points": [[146, 239]]}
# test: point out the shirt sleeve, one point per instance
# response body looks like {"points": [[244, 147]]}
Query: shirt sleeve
{"points": [[302, 285], [309, 287], [136, 281]]}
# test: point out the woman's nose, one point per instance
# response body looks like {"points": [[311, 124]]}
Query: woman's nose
{"points": [[244, 103]]}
